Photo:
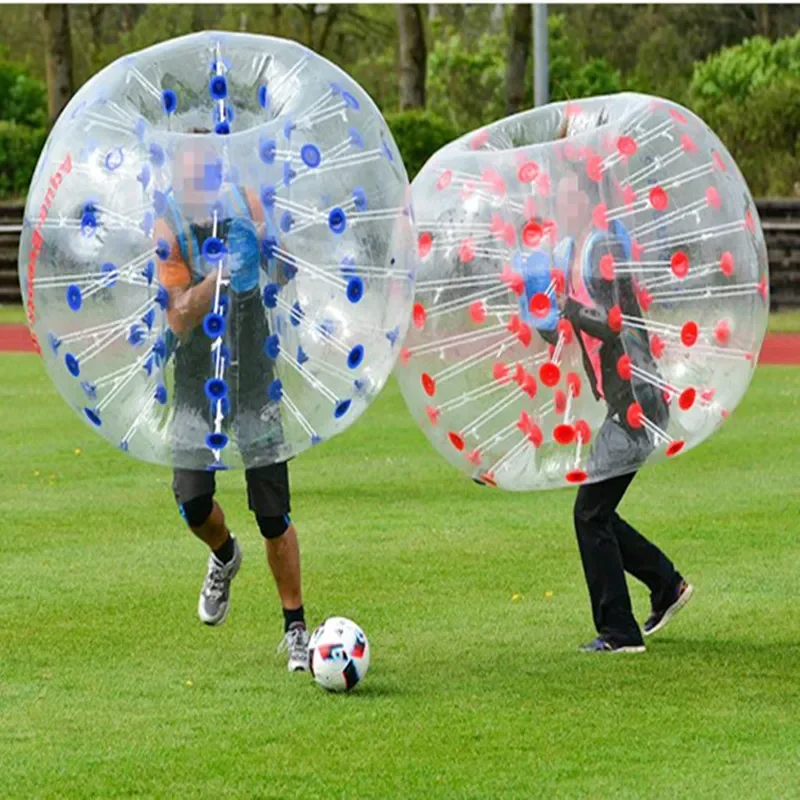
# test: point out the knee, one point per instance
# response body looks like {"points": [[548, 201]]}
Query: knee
{"points": [[588, 516], [273, 527], [197, 510]]}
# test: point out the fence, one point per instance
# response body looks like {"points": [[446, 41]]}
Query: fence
{"points": [[780, 219]]}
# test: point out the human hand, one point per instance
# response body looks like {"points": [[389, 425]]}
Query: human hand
{"points": [[244, 255]]}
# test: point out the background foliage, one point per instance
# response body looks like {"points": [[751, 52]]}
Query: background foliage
{"points": [[737, 66]]}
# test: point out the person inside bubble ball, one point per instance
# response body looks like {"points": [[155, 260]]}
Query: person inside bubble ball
{"points": [[198, 208], [609, 546]]}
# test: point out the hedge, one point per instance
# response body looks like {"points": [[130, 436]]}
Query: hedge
{"points": [[19, 151], [419, 134]]}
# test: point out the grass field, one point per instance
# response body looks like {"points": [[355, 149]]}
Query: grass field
{"points": [[109, 685]]}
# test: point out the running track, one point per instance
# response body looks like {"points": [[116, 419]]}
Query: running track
{"points": [[779, 348]]}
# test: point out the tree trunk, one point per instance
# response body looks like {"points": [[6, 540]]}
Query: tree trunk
{"points": [[413, 56], [519, 48], [764, 27], [58, 57]]}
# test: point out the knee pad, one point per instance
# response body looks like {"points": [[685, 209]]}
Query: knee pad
{"points": [[197, 510], [273, 527]]}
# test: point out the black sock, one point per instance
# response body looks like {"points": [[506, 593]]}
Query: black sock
{"points": [[225, 552], [291, 616]]}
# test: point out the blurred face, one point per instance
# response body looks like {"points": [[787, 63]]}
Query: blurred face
{"points": [[197, 177], [572, 206]]}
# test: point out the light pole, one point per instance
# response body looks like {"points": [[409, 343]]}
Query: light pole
{"points": [[541, 71]]}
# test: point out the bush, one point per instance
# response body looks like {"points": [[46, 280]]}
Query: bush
{"points": [[19, 151], [419, 134], [750, 97], [466, 80], [22, 99]]}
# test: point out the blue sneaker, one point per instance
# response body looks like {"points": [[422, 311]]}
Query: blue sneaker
{"points": [[601, 645], [659, 619]]}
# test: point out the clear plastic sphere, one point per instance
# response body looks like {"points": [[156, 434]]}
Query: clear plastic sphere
{"points": [[592, 292], [217, 259]]}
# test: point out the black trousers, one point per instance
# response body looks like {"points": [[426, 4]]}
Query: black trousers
{"points": [[609, 548]]}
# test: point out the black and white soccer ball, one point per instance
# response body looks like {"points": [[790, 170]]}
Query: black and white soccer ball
{"points": [[338, 653]]}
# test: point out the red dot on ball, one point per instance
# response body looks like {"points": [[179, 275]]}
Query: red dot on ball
{"points": [[428, 384], [425, 244], [583, 432], [563, 434], [419, 315], [679, 263], [528, 172], [532, 234], [689, 333], [726, 264], [675, 447], [478, 312], [433, 414], [624, 367], [576, 476], [615, 319], [658, 198], [540, 305], [627, 145], [722, 332], [500, 371], [549, 374], [634, 415], [444, 179], [687, 398], [456, 439]]}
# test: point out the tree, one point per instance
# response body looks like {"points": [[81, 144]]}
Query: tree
{"points": [[58, 54], [519, 48], [413, 56]]}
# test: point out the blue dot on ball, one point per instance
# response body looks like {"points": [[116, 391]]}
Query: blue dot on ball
{"points": [[72, 365], [222, 128], [268, 195], [94, 416], [275, 391], [74, 297], [342, 408], [271, 291], [263, 97], [310, 155], [272, 346], [216, 389], [214, 325], [216, 441], [266, 150], [157, 156], [162, 249], [159, 203], [218, 87], [356, 139], [355, 289], [360, 199], [161, 394], [337, 220], [350, 101], [169, 101], [287, 220], [356, 356]]}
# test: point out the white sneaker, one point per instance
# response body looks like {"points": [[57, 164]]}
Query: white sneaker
{"points": [[212, 608], [295, 642]]}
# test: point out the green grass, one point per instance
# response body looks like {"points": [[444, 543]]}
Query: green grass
{"points": [[11, 314], [109, 686], [784, 321]]}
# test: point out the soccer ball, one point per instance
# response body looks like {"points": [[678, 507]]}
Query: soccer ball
{"points": [[338, 654]]}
